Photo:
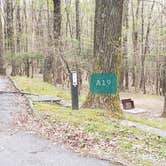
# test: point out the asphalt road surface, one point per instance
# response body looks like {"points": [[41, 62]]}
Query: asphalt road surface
{"points": [[21, 148]]}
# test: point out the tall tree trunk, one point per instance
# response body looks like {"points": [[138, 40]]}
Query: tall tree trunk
{"points": [[142, 46], [78, 30], [157, 69], [160, 65], [124, 68], [135, 40], [164, 109], [27, 61], [78, 38], [48, 60], [107, 50], [164, 87], [19, 32], [57, 66], [68, 22], [57, 19], [9, 35], [2, 68], [18, 27]]}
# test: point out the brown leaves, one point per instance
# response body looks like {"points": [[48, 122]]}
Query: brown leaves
{"points": [[73, 137]]}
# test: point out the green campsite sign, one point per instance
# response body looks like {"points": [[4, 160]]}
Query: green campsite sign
{"points": [[103, 83]]}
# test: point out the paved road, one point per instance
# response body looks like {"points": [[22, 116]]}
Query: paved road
{"points": [[19, 148]]}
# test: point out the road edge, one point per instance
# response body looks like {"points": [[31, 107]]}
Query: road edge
{"points": [[30, 103]]}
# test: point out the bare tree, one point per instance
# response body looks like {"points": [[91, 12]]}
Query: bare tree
{"points": [[125, 65], [57, 66], [9, 33], [48, 59], [78, 31], [2, 69], [135, 32], [145, 48], [68, 21], [164, 109]]}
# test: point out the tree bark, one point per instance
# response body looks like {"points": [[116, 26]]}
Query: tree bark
{"points": [[2, 62], [68, 22], [57, 66], [125, 66], [107, 50], [78, 38], [164, 109], [78, 30], [27, 61], [9, 35], [48, 60], [135, 40], [18, 27], [47, 73], [164, 89], [57, 19]]}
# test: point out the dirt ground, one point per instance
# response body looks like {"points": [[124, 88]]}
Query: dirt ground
{"points": [[151, 104]]}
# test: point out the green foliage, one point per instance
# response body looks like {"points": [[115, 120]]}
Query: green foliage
{"points": [[19, 57]]}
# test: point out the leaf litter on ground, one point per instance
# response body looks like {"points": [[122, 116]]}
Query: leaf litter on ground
{"points": [[120, 147]]}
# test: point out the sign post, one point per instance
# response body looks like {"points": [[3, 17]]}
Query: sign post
{"points": [[74, 90]]}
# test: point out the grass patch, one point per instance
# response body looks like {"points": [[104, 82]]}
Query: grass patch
{"points": [[128, 139], [91, 120], [37, 86], [153, 122]]}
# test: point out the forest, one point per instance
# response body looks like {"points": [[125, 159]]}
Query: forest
{"points": [[53, 37], [43, 41]]}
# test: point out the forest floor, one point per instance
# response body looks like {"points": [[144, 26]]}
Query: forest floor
{"points": [[148, 107], [23, 148], [95, 132]]}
